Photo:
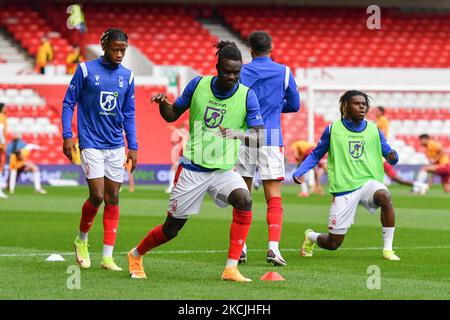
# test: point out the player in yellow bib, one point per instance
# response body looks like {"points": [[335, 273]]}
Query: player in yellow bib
{"points": [[221, 110], [355, 172]]}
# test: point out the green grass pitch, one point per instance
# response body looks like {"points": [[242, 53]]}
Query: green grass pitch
{"points": [[189, 267]]}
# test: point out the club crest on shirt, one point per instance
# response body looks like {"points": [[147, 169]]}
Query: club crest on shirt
{"points": [[121, 81], [213, 117], [97, 80], [356, 148], [108, 100]]}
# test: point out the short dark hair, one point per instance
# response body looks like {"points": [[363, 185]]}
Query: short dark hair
{"points": [[228, 50], [381, 109], [2, 105], [344, 101], [112, 34], [424, 136], [260, 42]]}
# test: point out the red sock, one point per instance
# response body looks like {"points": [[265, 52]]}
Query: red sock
{"points": [[88, 213], [238, 232], [110, 224], [274, 218], [154, 239]]}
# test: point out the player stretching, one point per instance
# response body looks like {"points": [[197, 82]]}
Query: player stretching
{"points": [[277, 92], [104, 92], [355, 149], [383, 125], [208, 160], [439, 162]]}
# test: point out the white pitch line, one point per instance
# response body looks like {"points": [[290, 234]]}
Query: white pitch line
{"points": [[5, 255]]}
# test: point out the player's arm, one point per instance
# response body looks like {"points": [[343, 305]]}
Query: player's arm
{"points": [[254, 137], [389, 154], [291, 101], [313, 159], [129, 124], [171, 112], [69, 103]]}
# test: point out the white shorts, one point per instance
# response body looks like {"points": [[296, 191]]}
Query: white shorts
{"points": [[190, 188], [343, 208], [269, 159], [108, 163]]}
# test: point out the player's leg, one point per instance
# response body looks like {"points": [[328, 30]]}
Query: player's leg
{"points": [[185, 199], [342, 214], [34, 169], [228, 188], [92, 162], [375, 195], [111, 216], [444, 172], [274, 218], [246, 167], [272, 171], [240, 200]]}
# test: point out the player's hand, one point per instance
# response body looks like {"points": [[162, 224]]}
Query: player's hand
{"points": [[392, 156], [160, 98], [299, 180], [132, 156], [230, 133], [68, 147]]}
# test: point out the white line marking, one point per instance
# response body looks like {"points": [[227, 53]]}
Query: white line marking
{"points": [[214, 251]]}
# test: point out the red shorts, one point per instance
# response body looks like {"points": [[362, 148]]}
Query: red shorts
{"points": [[389, 170], [444, 172]]}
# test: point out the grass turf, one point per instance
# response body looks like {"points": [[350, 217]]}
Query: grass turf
{"points": [[189, 267]]}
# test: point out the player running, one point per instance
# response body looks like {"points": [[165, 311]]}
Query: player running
{"points": [[219, 107], [439, 162], [355, 149], [104, 92], [277, 92]]}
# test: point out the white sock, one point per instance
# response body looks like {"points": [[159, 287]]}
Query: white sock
{"points": [[135, 253], [12, 180], [107, 250], [232, 263], [312, 236], [304, 187], [422, 176], [37, 180], [83, 236], [274, 246], [388, 237]]}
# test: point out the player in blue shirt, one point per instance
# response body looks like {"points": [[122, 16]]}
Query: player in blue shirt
{"points": [[214, 103], [103, 89], [277, 92], [336, 139]]}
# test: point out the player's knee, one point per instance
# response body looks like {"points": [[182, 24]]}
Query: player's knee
{"points": [[170, 231], [112, 198], [384, 199], [244, 202], [96, 198]]}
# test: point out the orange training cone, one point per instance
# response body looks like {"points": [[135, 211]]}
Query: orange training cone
{"points": [[272, 276]]}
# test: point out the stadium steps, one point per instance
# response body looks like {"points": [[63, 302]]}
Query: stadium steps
{"points": [[217, 28], [12, 52]]}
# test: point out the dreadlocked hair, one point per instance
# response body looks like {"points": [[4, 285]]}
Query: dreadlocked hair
{"points": [[112, 34], [228, 50], [344, 101]]}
